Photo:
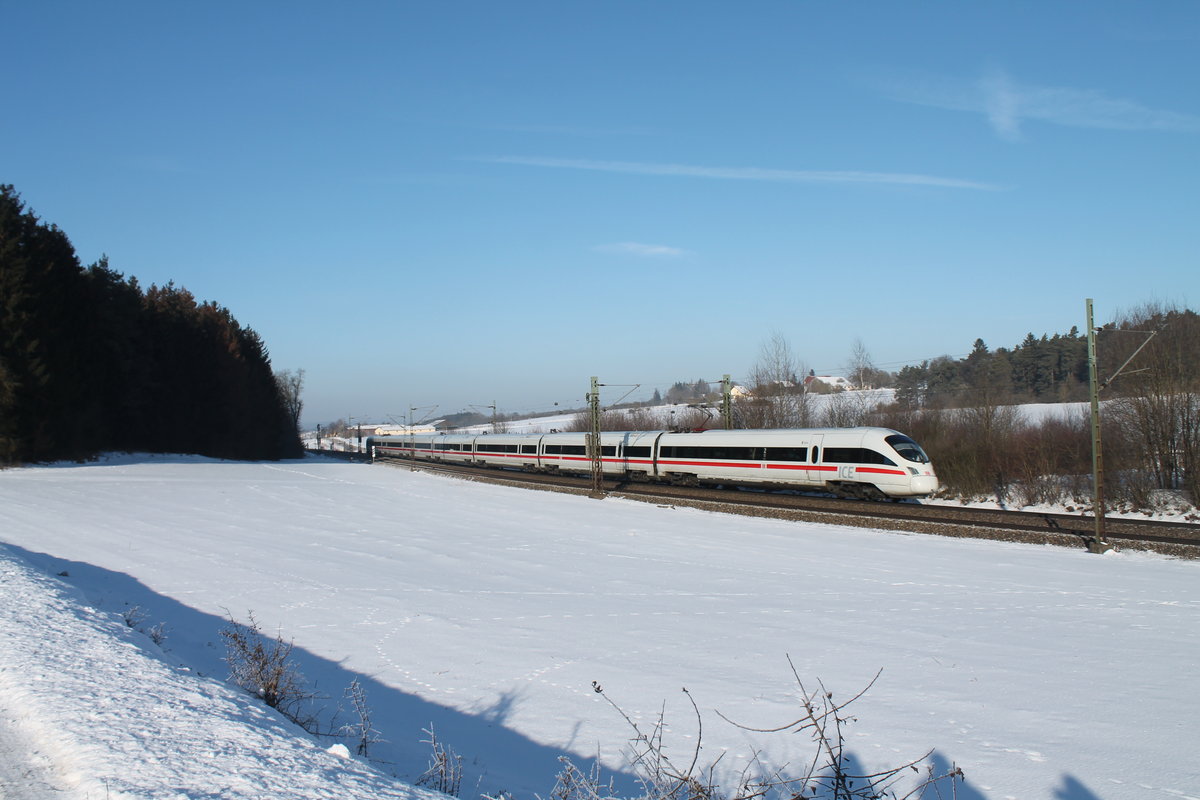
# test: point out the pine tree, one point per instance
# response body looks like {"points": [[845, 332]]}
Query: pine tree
{"points": [[88, 362]]}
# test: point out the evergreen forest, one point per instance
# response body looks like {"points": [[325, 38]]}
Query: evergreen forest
{"points": [[90, 362]]}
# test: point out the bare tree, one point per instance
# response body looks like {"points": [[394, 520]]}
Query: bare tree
{"points": [[777, 398], [291, 384], [861, 367], [1156, 416]]}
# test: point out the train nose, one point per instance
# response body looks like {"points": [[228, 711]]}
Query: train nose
{"points": [[925, 484]]}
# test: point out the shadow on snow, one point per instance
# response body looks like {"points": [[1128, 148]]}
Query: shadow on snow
{"points": [[495, 759]]}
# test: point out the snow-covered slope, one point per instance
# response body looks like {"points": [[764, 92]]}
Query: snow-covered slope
{"points": [[90, 709]]}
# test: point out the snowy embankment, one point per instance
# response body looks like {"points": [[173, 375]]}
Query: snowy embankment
{"points": [[89, 708], [485, 613]]}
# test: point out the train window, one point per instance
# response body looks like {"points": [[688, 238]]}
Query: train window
{"points": [[566, 450], [497, 448], [728, 453], [875, 457], [637, 452], [528, 449], [907, 448], [856, 455], [787, 454], [608, 450]]}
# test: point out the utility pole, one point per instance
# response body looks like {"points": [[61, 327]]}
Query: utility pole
{"points": [[727, 402], [426, 412], [593, 440], [1100, 545], [492, 407], [412, 458]]}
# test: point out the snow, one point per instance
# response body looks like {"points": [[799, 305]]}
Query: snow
{"points": [[484, 613]]}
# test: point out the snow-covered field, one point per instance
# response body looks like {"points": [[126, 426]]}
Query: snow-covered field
{"points": [[485, 613]]}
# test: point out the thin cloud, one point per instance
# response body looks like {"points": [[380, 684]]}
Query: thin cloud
{"points": [[740, 173], [157, 163], [1002, 103], [570, 130], [642, 250], [1007, 104]]}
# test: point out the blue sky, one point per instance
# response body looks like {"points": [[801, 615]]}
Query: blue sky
{"points": [[465, 203]]}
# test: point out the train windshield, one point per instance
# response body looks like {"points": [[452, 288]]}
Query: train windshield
{"points": [[907, 448]]}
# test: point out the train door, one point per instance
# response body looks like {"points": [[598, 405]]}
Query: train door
{"points": [[814, 473]]}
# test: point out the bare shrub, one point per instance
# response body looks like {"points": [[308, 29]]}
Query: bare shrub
{"points": [[445, 771], [157, 633], [633, 419], [989, 450], [1046, 457], [133, 616], [694, 417], [264, 668], [829, 774], [572, 783], [848, 409], [362, 731]]}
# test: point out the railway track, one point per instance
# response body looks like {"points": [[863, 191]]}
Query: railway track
{"points": [[1170, 538]]}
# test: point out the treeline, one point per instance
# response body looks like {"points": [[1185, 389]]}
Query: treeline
{"points": [[89, 362], [1046, 370], [963, 412], [1052, 369]]}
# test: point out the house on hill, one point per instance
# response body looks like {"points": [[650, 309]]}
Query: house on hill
{"points": [[826, 383]]}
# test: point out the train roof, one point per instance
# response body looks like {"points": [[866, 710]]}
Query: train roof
{"points": [[711, 433]]}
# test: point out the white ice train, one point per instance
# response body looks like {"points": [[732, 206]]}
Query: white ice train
{"points": [[872, 463]]}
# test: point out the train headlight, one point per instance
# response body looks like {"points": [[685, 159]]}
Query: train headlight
{"points": [[914, 471]]}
